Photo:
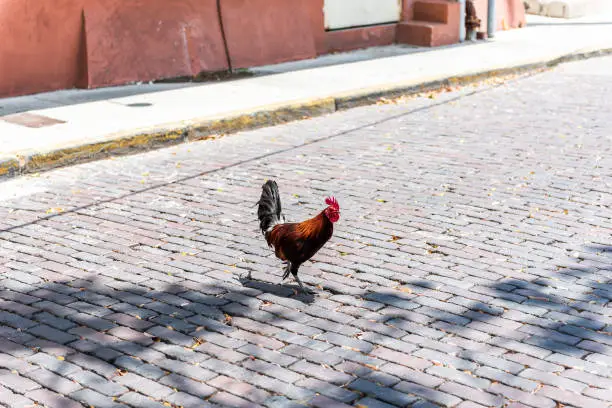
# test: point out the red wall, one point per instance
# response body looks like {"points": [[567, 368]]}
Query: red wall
{"points": [[57, 44], [407, 10], [40, 45], [142, 40], [261, 32]]}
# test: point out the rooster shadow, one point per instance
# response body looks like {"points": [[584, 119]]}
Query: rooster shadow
{"points": [[283, 290]]}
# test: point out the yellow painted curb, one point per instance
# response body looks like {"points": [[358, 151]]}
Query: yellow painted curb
{"points": [[372, 95], [37, 162], [9, 167], [268, 116]]}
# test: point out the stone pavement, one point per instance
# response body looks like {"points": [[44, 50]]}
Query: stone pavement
{"points": [[471, 266], [70, 131]]}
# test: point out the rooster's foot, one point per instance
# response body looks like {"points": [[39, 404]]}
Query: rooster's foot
{"points": [[302, 287]]}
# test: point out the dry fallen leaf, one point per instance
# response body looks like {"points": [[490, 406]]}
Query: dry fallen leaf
{"points": [[196, 342], [405, 290], [56, 210]]}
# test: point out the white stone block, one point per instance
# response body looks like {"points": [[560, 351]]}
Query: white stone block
{"points": [[567, 8]]}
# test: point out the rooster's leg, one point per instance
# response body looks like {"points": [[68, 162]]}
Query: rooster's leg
{"points": [[294, 272], [304, 289]]}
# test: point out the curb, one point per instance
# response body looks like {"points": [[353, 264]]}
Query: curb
{"points": [[122, 145], [9, 167], [131, 142], [371, 96], [268, 116]]}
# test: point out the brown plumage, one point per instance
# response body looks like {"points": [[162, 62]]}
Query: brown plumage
{"points": [[294, 243]]}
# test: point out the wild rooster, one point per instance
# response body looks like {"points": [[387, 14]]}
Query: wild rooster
{"points": [[294, 243]]}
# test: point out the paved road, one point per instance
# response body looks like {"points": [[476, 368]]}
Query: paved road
{"points": [[471, 266]]}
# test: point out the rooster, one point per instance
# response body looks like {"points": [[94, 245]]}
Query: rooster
{"points": [[294, 243]]}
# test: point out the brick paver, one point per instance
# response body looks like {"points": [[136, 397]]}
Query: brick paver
{"points": [[471, 267]]}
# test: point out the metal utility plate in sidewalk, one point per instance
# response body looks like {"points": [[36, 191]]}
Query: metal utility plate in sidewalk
{"points": [[31, 120]]}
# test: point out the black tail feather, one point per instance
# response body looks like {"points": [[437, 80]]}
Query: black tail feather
{"points": [[269, 211]]}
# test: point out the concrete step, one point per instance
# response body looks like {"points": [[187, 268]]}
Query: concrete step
{"points": [[435, 22], [426, 33], [435, 11]]}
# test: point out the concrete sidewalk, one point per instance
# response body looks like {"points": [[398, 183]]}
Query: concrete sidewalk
{"points": [[37, 139]]}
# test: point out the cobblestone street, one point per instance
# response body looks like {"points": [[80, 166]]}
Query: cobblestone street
{"points": [[471, 266]]}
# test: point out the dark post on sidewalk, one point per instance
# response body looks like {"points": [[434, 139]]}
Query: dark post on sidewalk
{"points": [[491, 19]]}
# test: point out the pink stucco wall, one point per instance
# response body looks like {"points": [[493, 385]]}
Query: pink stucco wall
{"points": [[510, 14]]}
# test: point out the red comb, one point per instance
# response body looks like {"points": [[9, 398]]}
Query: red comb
{"points": [[332, 202]]}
